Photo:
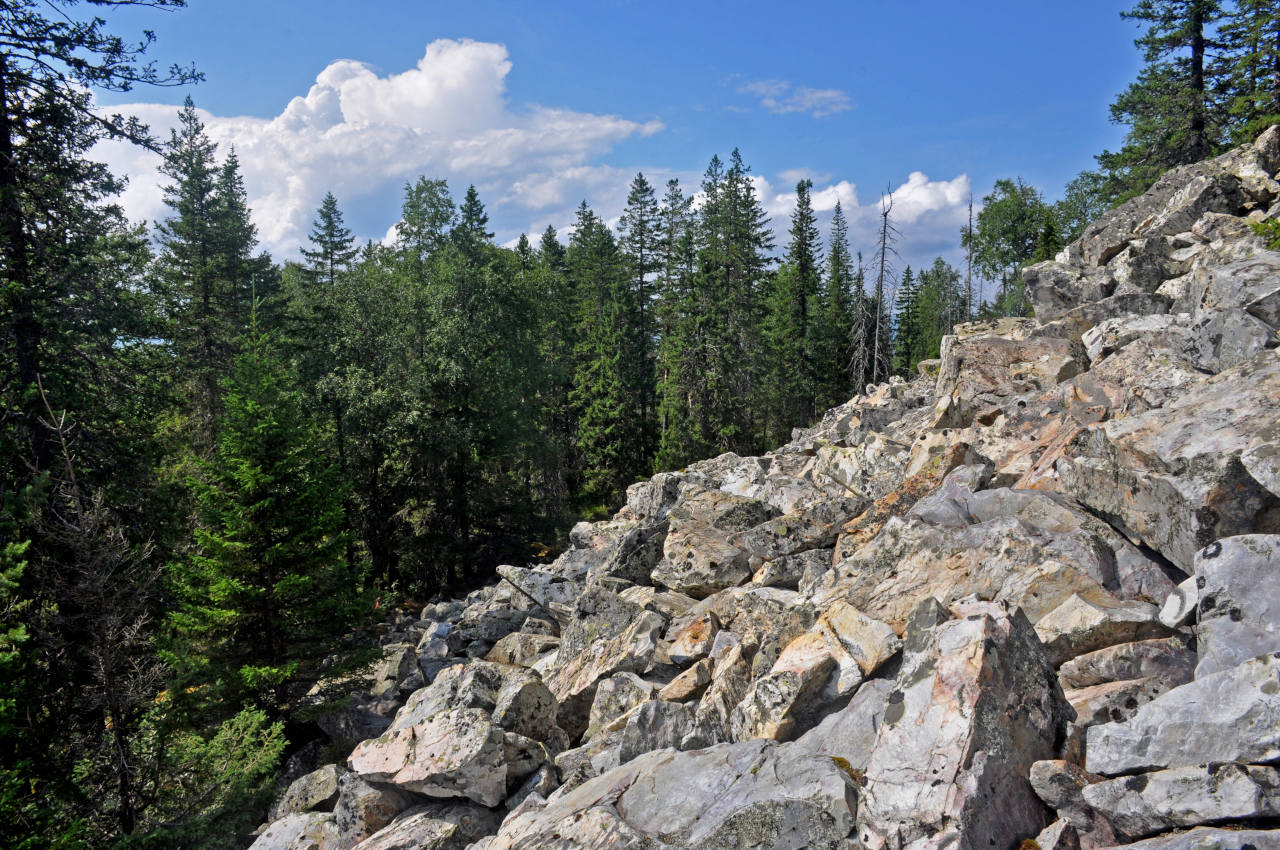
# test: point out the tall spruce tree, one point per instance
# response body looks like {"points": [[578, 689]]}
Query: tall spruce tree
{"points": [[333, 247], [608, 390], [793, 328], [835, 377], [1172, 115], [268, 590], [638, 239]]}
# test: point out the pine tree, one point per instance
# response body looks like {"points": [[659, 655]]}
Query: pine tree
{"points": [[268, 590], [1011, 224], [426, 218]]}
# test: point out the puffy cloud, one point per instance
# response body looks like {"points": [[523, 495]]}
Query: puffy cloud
{"points": [[781, 98], [362, 135], [928, 214]]}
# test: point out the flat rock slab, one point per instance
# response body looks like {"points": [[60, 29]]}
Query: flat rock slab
{"points": [[1170, 660], [1148, 803], [1238, 580], [1233, 715]]}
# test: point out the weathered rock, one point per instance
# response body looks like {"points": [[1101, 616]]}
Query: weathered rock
{"points": [[1179, 608], [1225, 716], [1169, 660], [755, 794], [633, 557], [655, 725], [1172, 477], [1239, 600], [551, 592], [521, 648], [974, 706], [1082, 625], [729, 683], [791, 571], [616, 696], [574, 683], [317, 790], [1209, 838], [1054, 288], [1058, 835], [1262, 458], [694, 638], [700, 556], [688, 685], [299, 831], [772, 704], [524, 705], [363, 809], [1252, 285], [980, 374], [452, 753], [1148, 803], [1061, 785], [1171, 331], [1112, 702], [414, 831]]}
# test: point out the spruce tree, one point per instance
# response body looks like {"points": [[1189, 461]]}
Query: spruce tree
{"points": [[1170, 110], [607, 393], [677, 310], [907, 335], [334, 248], [1249, 67], [835, 343], [638, 239], [268, 591]]}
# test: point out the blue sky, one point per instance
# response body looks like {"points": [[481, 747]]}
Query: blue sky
{"points": [[543, 105]]}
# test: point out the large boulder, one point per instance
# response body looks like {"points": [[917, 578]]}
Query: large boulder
{"points": [[1172, 477], [975, 704], [754, 794]]}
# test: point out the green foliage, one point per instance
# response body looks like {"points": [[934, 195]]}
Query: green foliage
{"points": [[208, 788], [1013, 229], [268, 590], [1268, 229]]}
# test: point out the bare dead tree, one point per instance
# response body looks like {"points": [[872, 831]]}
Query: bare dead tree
{"points": [[881, 362]]}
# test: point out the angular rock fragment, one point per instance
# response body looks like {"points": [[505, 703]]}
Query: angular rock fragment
{"points": [[1082, 625], [974, 706], [1225, 716], [1147, 803], [1169, 660]]}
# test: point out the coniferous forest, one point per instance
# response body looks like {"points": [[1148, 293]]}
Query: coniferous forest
{"points": [[219, 467]]}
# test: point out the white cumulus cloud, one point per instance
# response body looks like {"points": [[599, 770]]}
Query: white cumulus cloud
{"points": [[361, 134]]}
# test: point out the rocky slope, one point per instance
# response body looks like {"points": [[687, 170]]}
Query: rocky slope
{"points": [[1032, 594]]}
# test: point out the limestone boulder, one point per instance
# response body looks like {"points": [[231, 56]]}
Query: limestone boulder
{"points": [[974, 705], [1224, 716], [700, 556], [299, 831], [979, 375], [1147, 803], [1210, 838], [1170, 660], [315, 791], [364, 808], [755, 794], [1081, 625], [1172, 477], [1238, 580]]}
